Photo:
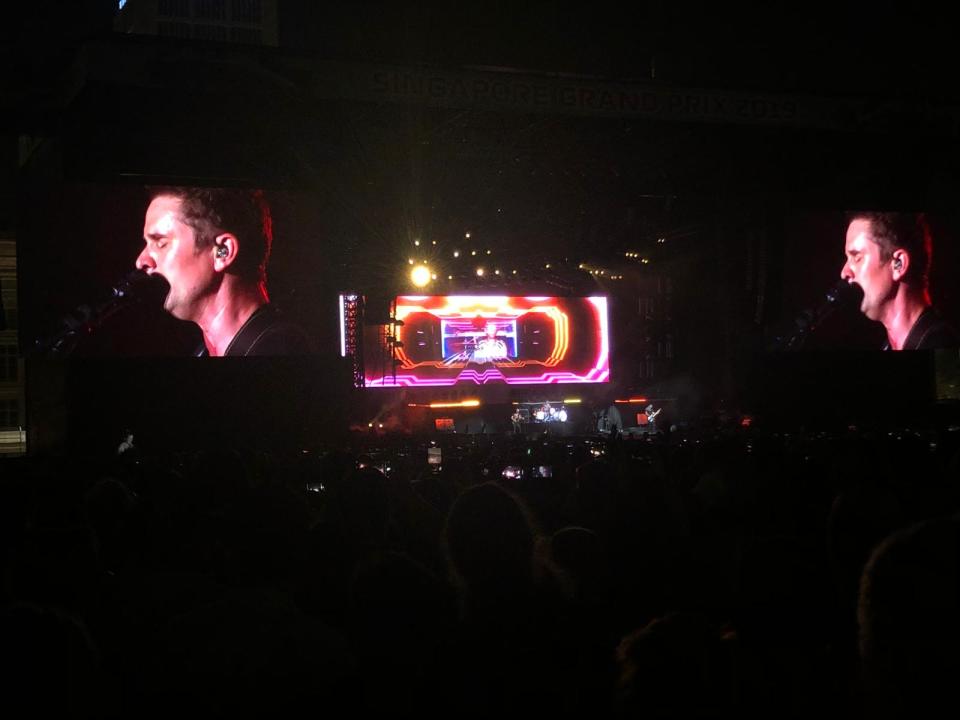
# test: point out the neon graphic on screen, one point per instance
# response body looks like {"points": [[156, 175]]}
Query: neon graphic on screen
{"points": [[479, 339]]}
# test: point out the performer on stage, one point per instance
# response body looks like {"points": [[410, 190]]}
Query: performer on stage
{"points": [[601, 421], [647, 419]]}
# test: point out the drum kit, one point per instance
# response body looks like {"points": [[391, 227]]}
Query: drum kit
{"points": [[550, 414]]}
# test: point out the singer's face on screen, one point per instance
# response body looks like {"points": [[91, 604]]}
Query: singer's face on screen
{"points": [[170, 250], [866, 267]]}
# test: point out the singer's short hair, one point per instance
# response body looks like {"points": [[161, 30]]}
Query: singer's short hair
{"points": [[242, 212], [909, 231]]}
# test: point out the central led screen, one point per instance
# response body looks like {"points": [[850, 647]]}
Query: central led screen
{"points": [[478, 339]]}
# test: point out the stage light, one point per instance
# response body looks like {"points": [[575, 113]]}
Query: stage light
{"points": [[417, 243], [466, 235], [456, 253], [473, 252], [496, 272], [489, 252], [434, 242], [479, 272], [462, 403], [410, 261], [420, 276]]}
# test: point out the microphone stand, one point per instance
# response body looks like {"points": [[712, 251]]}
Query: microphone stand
{"points": [[137, 287], [809, 319]]}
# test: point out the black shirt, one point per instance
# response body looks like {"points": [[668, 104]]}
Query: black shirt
{"points": [[266, 333], [930, 332]]}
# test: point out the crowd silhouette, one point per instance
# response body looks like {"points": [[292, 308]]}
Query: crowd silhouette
{"points": [[687, 574]]}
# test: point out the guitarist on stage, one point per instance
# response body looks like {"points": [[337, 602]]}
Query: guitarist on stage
{"points": [[647, 418]]}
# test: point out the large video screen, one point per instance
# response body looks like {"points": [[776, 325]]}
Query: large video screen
{"points": [[175, 271], [866, 280], [440, 341]]}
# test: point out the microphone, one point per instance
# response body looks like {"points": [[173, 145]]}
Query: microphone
{"points": [[140, 286], [134, 288], [839, 295]]}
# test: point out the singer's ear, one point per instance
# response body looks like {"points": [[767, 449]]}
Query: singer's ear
{"points": [[900, 263], [225, 249]]}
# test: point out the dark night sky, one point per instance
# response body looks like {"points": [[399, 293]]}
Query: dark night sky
{"points": [[880, 46], [822, 47]]}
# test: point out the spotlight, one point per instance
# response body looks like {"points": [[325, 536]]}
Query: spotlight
{"points": [[420, 276], [479, 272]]}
